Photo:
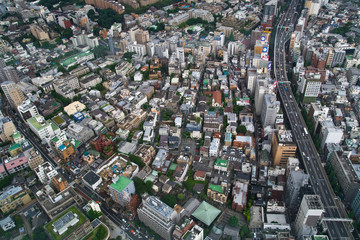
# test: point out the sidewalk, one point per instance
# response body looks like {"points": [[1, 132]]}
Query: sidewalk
{"points": [[114, 229]]}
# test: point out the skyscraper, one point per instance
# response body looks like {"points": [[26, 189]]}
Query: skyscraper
{"points": [[12, 93], [111, 45], [270, 109]]}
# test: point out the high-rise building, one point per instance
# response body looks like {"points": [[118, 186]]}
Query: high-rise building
{"points": [[158, 216], [270, 109], [270, 10], [14, 96], [260, 90], [296, 183], [180, 54], [121, 190], [111, 45], [283, 146], [310, 212], [142, 37]]}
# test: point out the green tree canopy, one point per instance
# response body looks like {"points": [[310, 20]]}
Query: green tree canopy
{"points": [[233, 221], [241, 129], [181, 196], [169, 200]]}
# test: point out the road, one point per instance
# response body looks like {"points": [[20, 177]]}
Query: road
{"points": [[130, 230], [334, 219]]}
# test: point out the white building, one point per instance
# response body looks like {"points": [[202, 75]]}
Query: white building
{"points": [[84, 39], [43, 129], [332, 135], [27, 110], [7, 223], [270, 110], [45, 172], [214, 147]]}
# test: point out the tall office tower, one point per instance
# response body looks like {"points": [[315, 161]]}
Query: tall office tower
{"points": [[296, 184], [270, 10], [270, 109], [261, 86], [310, 212], [251, 79], [180, 54], [132, 32], [158, 216], [233, 48], [14, 96], [150, 49], [283, 146], [142, 37], [111, 45]]}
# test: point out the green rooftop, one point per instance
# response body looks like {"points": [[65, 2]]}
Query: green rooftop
{"points": [[320, 237], [217, 188], [16, 135], [14, 147], [58, 120], [36, 124], [206, 213], [70, 60], [55, 236], [222, 162], [54, 126], [121, 184]]}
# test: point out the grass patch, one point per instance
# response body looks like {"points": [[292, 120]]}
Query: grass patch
{"points": [[58, 120], [73, 209], [99, 233]]}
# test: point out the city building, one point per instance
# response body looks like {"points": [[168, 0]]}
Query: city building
{"points": [[270, 109], [206, 213], [283, 146], [14, 96], [71, 224], [157, 216], [45, 172], [121, 190], [43, 129], [239, 196], [13, 197], [310, 211], [146, 153], [92, 180], [27, 110], [7, 223]]}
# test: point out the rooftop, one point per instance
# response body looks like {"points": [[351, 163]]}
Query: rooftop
{"points": [[206, 213], [217, 188], [121, 183], [159, 207]]}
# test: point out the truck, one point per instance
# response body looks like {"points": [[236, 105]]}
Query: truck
{"points": [[305, 130]]}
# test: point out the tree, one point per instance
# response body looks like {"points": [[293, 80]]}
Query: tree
{"points": [[67, 33], [101, 232], [241, 129], [93, 214], [96, 31], [100, 51], [91, 14], [137, 160], [180, 196], [233, 221], [128, 55], [39, 234], [169, 200], [245, 232], [198, 119]]}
